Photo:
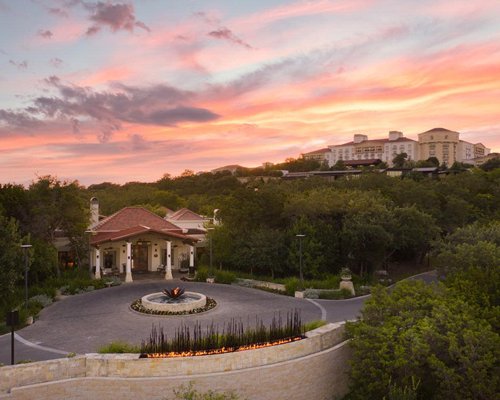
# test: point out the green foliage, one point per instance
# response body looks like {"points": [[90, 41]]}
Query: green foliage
{"points": [[41, 299], [469, 260], [202, 273], [403, 393], [189, 393], [292, 285], [491, 164], [11, 262], [118, 347], [423, 332], [226, 277], [234, 336], [399, 160], [309, 326]]}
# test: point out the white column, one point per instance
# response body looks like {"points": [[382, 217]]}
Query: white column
{"points": [[168, 267], [191, 256], [128, 274], [97, 263]]}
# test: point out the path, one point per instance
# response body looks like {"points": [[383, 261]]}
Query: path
{"points": [[82, 323]]}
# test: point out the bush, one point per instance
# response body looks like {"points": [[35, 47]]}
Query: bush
{"points": [[292, 285], [188, 393], [226, 277], [41, 299], [118, 347], [48, 291], [422, 333], [202, 274]]}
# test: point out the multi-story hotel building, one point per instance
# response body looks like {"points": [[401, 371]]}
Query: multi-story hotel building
{"points": [[362, 148], [441, 143], [447, 147]]}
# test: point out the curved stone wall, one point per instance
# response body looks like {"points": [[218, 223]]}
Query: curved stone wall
{"points": [[312, 368]]}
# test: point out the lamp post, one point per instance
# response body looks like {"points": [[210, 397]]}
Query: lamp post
{"points": [[25, 248], [301, 276]]}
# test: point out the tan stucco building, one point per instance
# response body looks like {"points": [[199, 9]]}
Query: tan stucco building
{"points": [[447, 147]]}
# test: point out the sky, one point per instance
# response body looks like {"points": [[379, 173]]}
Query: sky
{"points": [[123, 91]]}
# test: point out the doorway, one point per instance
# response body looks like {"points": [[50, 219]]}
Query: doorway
{"points": [[140, 257]]}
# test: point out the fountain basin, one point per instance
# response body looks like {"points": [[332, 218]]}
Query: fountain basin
{"points": [[189, 301]]}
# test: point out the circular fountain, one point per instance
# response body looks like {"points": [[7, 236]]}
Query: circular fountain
{"points": [[172, 302], [186, 302]]}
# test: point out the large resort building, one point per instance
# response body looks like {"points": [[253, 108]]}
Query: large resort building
{"points": [[441, 143]]}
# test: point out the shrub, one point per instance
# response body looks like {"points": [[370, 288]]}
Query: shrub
{"points": [[48, 291], [292, 285], [202, 274], [422, 333], [41, 299], [118, 347], [226, 277], [188, 393], [114, 281]]}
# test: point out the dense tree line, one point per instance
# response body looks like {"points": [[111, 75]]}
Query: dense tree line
{"points": [[365, 223], [35, 215]]}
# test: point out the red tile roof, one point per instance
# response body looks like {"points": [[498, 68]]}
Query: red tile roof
{"points": [[133, 221], [184, 214], [320, 151], [129, 217], [102, 237], [384, 140]]}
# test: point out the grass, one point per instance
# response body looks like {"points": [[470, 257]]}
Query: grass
{"points": [[309, 326], [119, 347]]}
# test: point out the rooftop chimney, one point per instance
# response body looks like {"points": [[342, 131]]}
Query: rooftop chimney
{"points": [[94, 211], [358, 138], [395, 135]]}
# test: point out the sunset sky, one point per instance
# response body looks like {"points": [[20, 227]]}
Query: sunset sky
{"points": [[127, 91]]}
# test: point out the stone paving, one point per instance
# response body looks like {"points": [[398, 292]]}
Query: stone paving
{"points": [[84, 322]]}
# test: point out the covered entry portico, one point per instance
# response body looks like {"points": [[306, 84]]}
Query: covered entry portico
{"points": [[163, 247]]}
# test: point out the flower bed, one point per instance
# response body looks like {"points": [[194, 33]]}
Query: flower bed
{"points": [[137, 306]]}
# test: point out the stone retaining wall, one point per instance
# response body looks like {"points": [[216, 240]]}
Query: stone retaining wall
{"points": [[311, 368]]}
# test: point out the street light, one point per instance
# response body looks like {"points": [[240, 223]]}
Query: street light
{"points": [[25, 248], [301, 276]]}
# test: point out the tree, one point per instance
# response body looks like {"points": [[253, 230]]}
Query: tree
{"points": [[422, 332], [58, 206], [469, 260], [313, 252], [11, 261], [339, 166], [263, 251], [433, 161], [491, 164], [399, 160], [413, 232]]}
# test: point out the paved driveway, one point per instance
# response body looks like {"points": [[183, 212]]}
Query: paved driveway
{"points": [[84, 322]]}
